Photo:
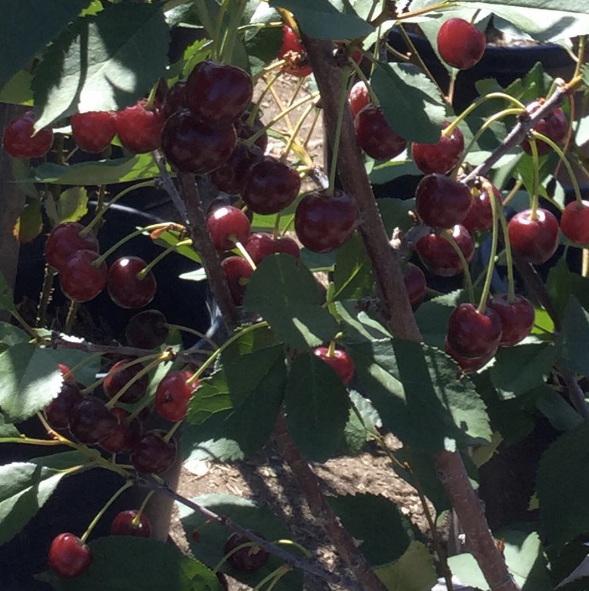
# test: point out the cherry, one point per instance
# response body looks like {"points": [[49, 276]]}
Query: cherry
{"points": [[94, 131], [125, 436], [441, 157], [415, 284], [122, 525], [232, 175], [68, 556], [228, 225], [81, 281], [359, 97], [270, 186], [437, 254], [152, 454], [472, 333], [147, 330], [173, 394], [533, 240], [480, 215], [554, 126], [574, 222], [470, 364], [260, 245], [19, 141], [442, 202], [175, 98], [65, 240], [218, 93], [60, 408], [125, 288], [245, 131], [116, 378], [324, 222], [517, 317], [139, 128], [375, 136], [193, 146], [237, 271], [246, 559], [65, 372], [460, 44], [340, 361], [91, 421], [293, 52]]}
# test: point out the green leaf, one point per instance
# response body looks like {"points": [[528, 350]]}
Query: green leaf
{"points": [[24, 489], [196, 447], [572, 348], [29, 224], [6, 295], [72, 204], [385, 172], [12, 335], [124, 563], [361, 426], [102, 63], [87, 373], [411, 103], [432, 317], [172, 238], [63, 460], [585, 73], [7, 429], [557, 410], [414, 571], [294, 311], [360, 326], [353, 277], [317, 407], [17, 90], [315, 261], [262, 48], [563, 283]]}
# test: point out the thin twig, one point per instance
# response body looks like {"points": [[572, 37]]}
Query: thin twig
{"points": [[167, 184]]}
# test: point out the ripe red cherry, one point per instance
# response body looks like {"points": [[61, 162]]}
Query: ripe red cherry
{"points": [[116, 378], [247, 559], [480, 215], [437, 254], [147, 330], [237, 271], [442, 202], [125, 288], [340, 361], [517, 318], [60, 408], [152, 454], [232, 175], [461, 44], [228, 225], [415, 284], [125, 436], [139, 128], [65, 372], [218, 94], [323, 223], [245, 131], [293, 52], [65, 240], [94, 131], [375, 136], [260, 245], [472, 333], [91, 421], [270, 186], [441, 157], [80, 280], [173, 394], [193, 146], [533, 240], [68, 556], [175, 98], [470, 364], [574, 222], [554, 126], [359, 97], [19, 141], [122, 525]]}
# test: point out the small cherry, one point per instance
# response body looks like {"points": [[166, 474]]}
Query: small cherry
{"points": [[375, 136], [415, 284], [517, 317], [140, 128], [293, 52], [534, 240], [175, 98], [261, 245], [228, 225], [80, 280], [173, 394], [480, 215], [125, 288], [152, 454], [461, 44], [437, 254], [442, 202], [232, 175], [574, 222], [124, 525], [339, 360], [65, 240], [359, 97], [147, 330], [470, 364], [441, 157], [125, 436], [66, 373], [94, 131], [91, 421], [69, 557], [117, 378], [60, 408], [472, 333], [237, 271], [246, 559], [554, 126], [19, 141]]}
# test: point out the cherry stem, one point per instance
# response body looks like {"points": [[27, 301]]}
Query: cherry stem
{"points": [[295, 132], [358, 71], [71, 315], [447, 234], [217, 35], [535, 196], [474, 16], [513, 192], [295, 545], [495, 240], [151, 97], [256, 109], [508, 255], [338, 134], [267, 69], [137, 518], [274, 576], [276, 230], [143, 273], [245, 254], [76, 367], [331, 349], [173, 430], [231, 32], [197, 333], [585, 267], [231, 553]]}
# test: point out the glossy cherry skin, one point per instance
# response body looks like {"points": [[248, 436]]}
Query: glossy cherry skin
{"points": [[232, 175], [193, 146], [323, 223], [359, 97], [415, 284], [122, 525], [91, 421], [218, 94], [293, 52], [441, 157], [237, 271], [261, 245], [341, 362], [534, 241], [125, 436], [245, 131], [147, 330], [94, 131], [173, 394], [66, 373], [375, 136], [574, 222], [247, 559], [68, 556], [472, 333], [470, 364], [125, 288], [117, 378], [228, 225], [480, 215], [461, 44], [517, 317], [19, 141], [65, 240], [437, 254], [60, 408], [80, 280], [442, 202], [152, 454], [140, 129], [175, 98], [554, 126]]}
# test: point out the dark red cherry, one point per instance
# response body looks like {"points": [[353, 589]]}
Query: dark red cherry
{"points": [[139, 128], [533, 240], [125, 436], [437, 254], [65, 240], [472, 333], [218, 94], [480, 215], [441, 157], [260, 245], [470, 364], [94, 131], [574, 222], [232, 175], [554, 126], [66, 372], [442, 202], [340, 361], [461, 44], [80, 280], [237, 271], [116, 378], [60, 408], [247, 559], [175, 98], [19, 141], [125, 288], [375, 136], [152, 454], [91, 421], [123, 525], [228, 225], [324, 222], [415, 284], [293, 52], [193, 146], [270, 186], [517, 317], [69, 557], [359, 97], [173, 394], [147, 330], [245, 131]]}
